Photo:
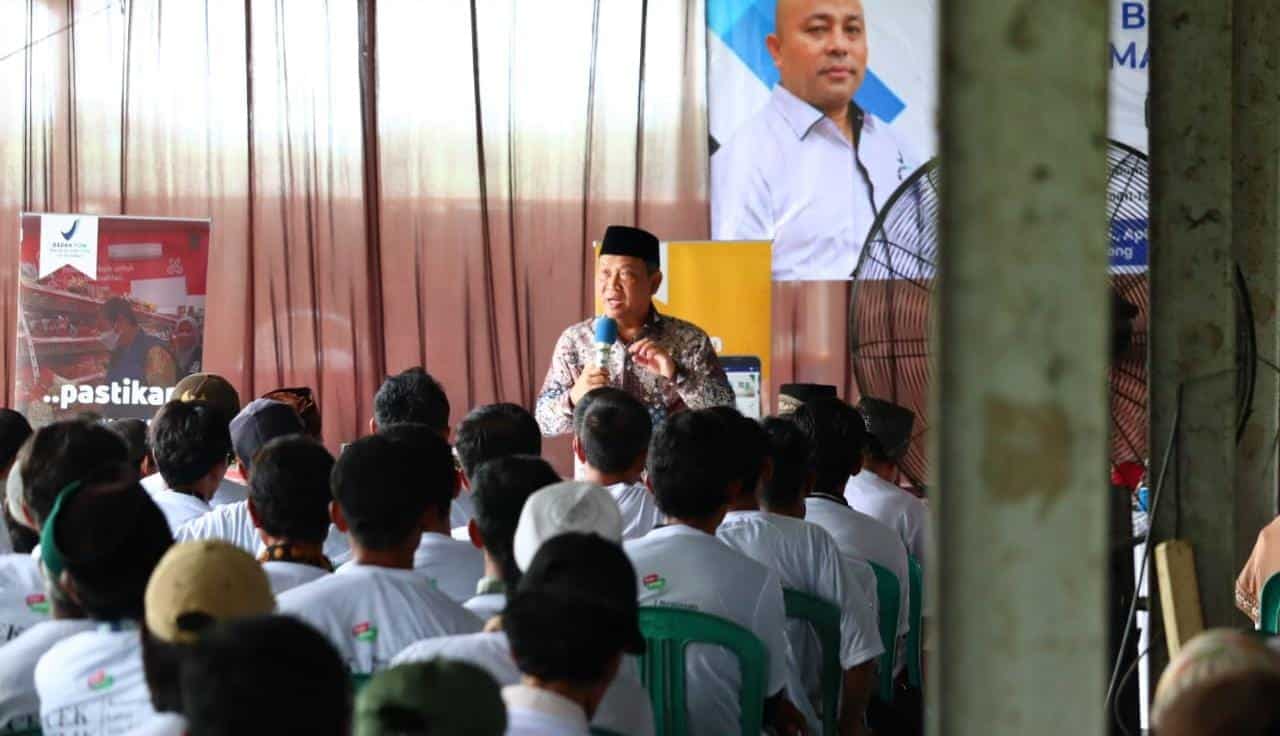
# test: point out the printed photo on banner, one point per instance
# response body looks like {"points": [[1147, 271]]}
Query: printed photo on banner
{"points": [[110, 313], [820, 110]]}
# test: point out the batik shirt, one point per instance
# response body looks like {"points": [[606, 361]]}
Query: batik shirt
{"points": [[700, 381]]}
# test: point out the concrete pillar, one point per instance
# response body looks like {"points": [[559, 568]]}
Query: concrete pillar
{"points": [[1193, 328], [1020, 442], [1256, 246]]}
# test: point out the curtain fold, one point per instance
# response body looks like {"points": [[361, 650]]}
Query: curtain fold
{"points": [[391, 182]]}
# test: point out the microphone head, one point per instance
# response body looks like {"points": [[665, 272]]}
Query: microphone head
{"points": [[606, 330]]}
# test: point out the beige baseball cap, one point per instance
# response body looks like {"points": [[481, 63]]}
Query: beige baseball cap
{"points": [[197, 583], [571, 506], [212, 388]]}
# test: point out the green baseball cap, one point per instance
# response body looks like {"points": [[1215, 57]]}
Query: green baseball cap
{"points": [[436, 696]]}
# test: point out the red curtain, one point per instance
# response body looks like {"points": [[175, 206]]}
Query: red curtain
{"points": [[391, 182]]}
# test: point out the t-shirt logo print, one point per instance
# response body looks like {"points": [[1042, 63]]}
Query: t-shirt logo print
{"points": [[654, 581], [100, 680], [364, 631], [37, 603]]}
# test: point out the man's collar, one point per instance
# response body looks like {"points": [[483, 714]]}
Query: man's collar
{"points": [[801, 116]]}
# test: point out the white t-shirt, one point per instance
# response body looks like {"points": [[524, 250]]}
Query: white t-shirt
{"points": [[455, 567], [535, 712], [179, 508], [371, 613], [283, 575], [162, 724], [486, 605], [891, 506], [681, 567], [233, 524], [19, 705], [640, 512], [625, 709], [807, 559], [92, 682], [228, 491], [462, 510], [23, 602]]}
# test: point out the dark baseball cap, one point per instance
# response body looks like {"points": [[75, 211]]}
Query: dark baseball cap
{"points": [[259, 422], [590, 580]]}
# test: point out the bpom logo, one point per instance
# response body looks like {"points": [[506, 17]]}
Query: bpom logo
{"points": [[100, 680], [66, 234], [654, 581], [364, 631], [37, 603]]}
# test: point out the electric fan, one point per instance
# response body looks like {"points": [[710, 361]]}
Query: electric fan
{"points": [[894, 279]]}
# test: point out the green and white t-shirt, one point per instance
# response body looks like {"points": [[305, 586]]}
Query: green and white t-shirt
{"points": [[92, 682], [23, 601], [19, 704]]}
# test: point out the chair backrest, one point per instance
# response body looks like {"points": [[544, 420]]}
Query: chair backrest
{"points": [[824, 616], [890, 595], [915, 639], [359, 680], [668, 632], [1269, 607]]}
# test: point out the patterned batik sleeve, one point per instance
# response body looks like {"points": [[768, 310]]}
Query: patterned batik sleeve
{"points": [[554, 411], [702, 382]]}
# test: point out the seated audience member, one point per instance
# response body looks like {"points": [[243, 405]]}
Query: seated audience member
{"points": [[806, 559], [562, 508], [453, 566], [500, 488], [1209, 659], [259, 422], [488, 433], [440, 696], [265, 676], [611, 432], [570, 621], [792, 396], [219, 392], [411, 397], [14, 431], [303, 402], [133, 432], [192, 448], [1239, 704], [873, 490], [374, 608], [195, 585], [691, 470], [53, 457], [289, 504], [99, 546], [837, 435]]}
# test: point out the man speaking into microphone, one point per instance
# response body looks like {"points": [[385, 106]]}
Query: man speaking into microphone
{"points": [[666, 363]]}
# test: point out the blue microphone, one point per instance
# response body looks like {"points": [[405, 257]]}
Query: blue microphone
{"points": [[606, 335]]}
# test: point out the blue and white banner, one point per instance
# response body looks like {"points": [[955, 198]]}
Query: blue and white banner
{"points": [[899, 94]]}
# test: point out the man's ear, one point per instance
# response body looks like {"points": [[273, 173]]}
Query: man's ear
{"points": [[578, 451], [655, 282], [373, 425], [337, 517], [774, 46], [473, 531], [68, 586]]}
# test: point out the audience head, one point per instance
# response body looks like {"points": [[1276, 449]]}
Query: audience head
{"points": [[499, 490], [612, 430], [1237, 704], [493, 431], [191, 446], [570, 506], [412, 396], [691, 467], [750, 452], [304, 404], [888, 429], [212, 388], [838, 436], [133, 433], [575, 614], [14, 431], [386, 485], [438, 696], [54, 456], [195, 585], [259, 422], [287, 678], [791, 454], [1205, 660], [289, 490], [792, 396], [101, 541]]}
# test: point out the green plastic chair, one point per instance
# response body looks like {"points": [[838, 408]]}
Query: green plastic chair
{"points": [[359, 680], [24, 732], [1269, 607], [887, 590], [668, 632], [603, 732], [915, 648], [824, 617]]}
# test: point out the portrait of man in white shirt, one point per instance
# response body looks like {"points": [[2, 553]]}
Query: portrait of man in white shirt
{"points": [[810, 170]]}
